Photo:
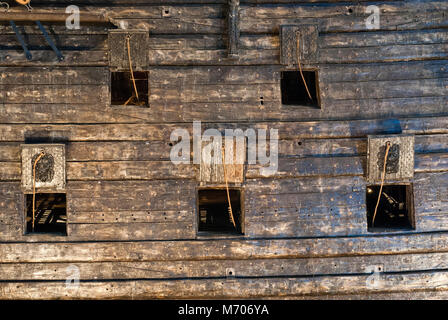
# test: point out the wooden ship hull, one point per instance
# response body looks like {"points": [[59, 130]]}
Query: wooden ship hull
{"points": [[129, 223]]}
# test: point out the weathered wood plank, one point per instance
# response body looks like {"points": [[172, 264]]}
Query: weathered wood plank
{"points": [[349, 23], [215, 93], [167, 77], [116, 204], [331, 18], [70, 94], [326, 55], [287, 167], [66, 42], [54, 76], [219, 288], [287, 130], [220, 249], [131, 231], [48, 58], [362, 39], [307, 228], [217, 268], [68, 113], [137, 188], [141, 170], [107, 232], [388, 89], [274, 111], [147, 216]]}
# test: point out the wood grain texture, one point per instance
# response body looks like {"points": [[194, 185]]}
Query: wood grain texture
{"points": [[131, 213]]}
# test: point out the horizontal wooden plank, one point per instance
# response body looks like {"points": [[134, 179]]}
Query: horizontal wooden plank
{"points": [[362, 39], [335, 110], [165, 170], [115, 204], [161, 132], [224, 111], [428, 184], [378, 54], [408, 20], [68, 94], [388, 89], [147, 216], [49, 58], [50, 251], [218, 268], [66, 42], [101, 151], [106, 232], [168, 77], [255, 50], [216, 93], [256, 187], [141, 170], [220, 288], [54, 76], [307, 228], [339, 166], [326, 55], [148, 188], [212, 57], [69, 113], [304, 200], [131, 231], [273, 111], [330, 17], [188, 93], [413, 295]]}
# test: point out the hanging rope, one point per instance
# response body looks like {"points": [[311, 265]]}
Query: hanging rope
{"points": [[227, 188], [382, 181], [300, 66], [34, 185], [128, 40]]}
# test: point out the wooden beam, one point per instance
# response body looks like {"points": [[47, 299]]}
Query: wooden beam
{"points": [[233, 27], [46, 16]]}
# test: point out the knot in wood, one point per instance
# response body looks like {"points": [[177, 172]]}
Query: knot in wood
{"points": [[44, 167]]}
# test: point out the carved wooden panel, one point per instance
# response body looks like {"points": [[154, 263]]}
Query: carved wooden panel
{"points": [[400, 159], [50, 167], [212, 168], [118, 49], [307, 38]]}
